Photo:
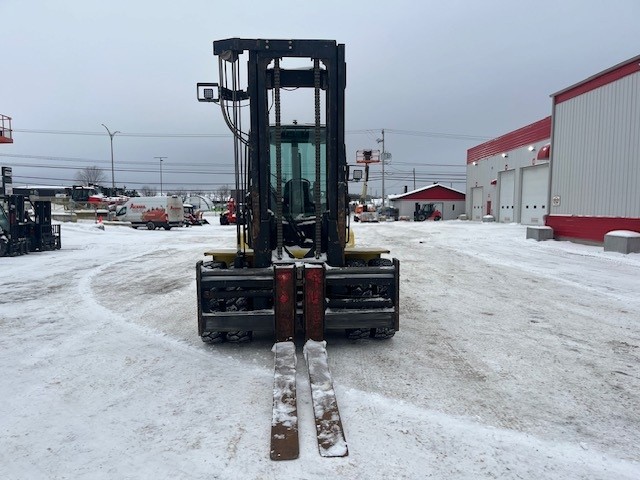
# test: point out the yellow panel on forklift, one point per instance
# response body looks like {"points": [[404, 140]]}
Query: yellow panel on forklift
{"points": [[365, 254]]}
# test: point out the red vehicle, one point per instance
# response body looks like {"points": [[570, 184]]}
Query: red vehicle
{"points": [[192, 216], [428, 211], [229, 215]]}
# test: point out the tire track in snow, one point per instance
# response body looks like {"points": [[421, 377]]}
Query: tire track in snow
{"points": [[534, 335], [108, 318]]}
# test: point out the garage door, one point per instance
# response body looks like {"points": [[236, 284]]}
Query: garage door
{"points": [[476, 203], [507, 182], [535, 186]]}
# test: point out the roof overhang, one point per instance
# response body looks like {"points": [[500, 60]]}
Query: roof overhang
{"points": [[605, 77], [533, 133]]}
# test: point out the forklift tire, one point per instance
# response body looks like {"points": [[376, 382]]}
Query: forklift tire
{"points": [[358, 290], [381, 290], [4, 247], [380, 262], [421, 218], [356, 262], [382, 333], [437, 218], [214, 264], [357, 333], [238, 304], [151, 226], [239, 336], [213, 337]]}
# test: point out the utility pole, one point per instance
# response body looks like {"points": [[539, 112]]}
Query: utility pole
{"points": [[160, 158], [381, 140], [111, 135], [414, 178]]}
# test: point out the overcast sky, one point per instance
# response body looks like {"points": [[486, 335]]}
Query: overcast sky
{"points": [[439, 77]]}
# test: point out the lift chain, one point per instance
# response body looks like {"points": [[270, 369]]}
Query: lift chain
{"points": [[278, 141], [318, 232]]}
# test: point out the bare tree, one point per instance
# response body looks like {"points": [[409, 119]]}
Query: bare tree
{"points": [[181, 192], [90, 176], [148, 191], [223, 193]]}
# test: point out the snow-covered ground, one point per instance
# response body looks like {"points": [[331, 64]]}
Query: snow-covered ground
{"points": [[515, 359]]}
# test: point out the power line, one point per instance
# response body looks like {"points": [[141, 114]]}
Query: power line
{"points": [[419, 164], [369, 131], [178, 184], [95, 162], [121, 134], [131, 170], [453, 136]]}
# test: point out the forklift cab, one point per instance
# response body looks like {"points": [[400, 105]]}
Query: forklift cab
{"points": [[298, 167], [298, 186]]}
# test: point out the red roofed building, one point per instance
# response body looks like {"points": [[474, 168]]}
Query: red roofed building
{"points": [[577, 171], [449, 201], [508, 177]]}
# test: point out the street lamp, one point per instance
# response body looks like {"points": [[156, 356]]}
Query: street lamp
{"points": [[160, 158], [111, 135], [381, 140]]}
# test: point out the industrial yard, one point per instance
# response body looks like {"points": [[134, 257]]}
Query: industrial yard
{"points": [[514, 359]]}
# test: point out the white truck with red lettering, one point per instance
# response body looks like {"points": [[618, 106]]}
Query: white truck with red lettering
{"points": [[152, 212]]}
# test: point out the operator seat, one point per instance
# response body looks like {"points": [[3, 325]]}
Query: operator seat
{"points": [[297, 198]]}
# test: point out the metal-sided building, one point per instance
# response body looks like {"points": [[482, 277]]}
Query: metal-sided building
{"points": [[449, 201], [595, 161], [508, 177]]}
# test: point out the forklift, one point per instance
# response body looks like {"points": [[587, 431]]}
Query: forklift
{"points": [[22, 232], [295, 268], [427, 211], [295, 271]]}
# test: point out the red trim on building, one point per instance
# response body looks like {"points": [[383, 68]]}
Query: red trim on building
{"points": [[599, 80], [536, 132], [592, 229], [544, 152], [433, 192]]}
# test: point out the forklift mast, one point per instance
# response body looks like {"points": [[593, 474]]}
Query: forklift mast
{"points": [[292, 178]]}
